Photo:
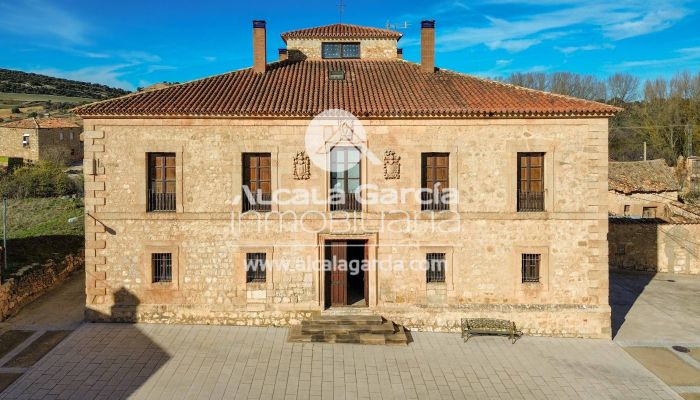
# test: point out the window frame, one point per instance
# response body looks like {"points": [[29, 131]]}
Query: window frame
{"points": [[167, 259], [528, 200], [256, 277], [427, 199], [435, 275], [257, 181], [167, 204], [530, 262], [341, 52], [649, 208], [350, 203]]}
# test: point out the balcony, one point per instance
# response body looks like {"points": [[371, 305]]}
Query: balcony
{"points": [[436, 200], [339, 201], [261, 202], [530, 201], [161, 202]]}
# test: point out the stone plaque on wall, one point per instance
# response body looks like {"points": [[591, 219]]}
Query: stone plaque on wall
{"points": [[392, 165], [302, 166]]}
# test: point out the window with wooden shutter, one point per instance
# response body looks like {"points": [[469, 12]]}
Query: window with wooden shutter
{"points": [[257, 182], [435, 178], [161, 182], [530, 182]]}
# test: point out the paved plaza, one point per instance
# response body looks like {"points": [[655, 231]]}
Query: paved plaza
{"points": [[165, 362], [146, 361]]}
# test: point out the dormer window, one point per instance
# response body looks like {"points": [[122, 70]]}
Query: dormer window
{"points": [[340, 50]]}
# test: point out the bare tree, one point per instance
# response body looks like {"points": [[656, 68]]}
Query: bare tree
{"points": [[532, 80], [655, 90], [623, 87], [682, 85]]}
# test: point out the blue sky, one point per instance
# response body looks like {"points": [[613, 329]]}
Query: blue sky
{"points": [[131, 43]]}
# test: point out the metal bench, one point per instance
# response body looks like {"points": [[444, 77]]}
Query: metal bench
{"points": [[489, 326]]}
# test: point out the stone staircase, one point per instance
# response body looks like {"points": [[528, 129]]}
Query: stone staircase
{"points": [[348, 328]]}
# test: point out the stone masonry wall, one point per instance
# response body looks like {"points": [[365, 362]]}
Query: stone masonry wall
{"points": [[26, 286], [65, 141], [637, 202], [209, 237], [654, 246], [369, 48], [11, 143]]}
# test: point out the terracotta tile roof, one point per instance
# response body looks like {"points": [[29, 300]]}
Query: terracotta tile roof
{"points": [[371, 88], [43, 123], [652, 176], [341, 31]]}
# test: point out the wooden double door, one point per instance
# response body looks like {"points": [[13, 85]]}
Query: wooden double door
{"points": [[346, 275]]}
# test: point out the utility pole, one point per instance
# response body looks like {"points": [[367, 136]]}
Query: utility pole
{"points": [[645, 151], [4, 240], [689, 133]]}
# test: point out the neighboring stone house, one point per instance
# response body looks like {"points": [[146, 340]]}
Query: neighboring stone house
{"points": [[522, 234], [34, 139], [641, 189]]}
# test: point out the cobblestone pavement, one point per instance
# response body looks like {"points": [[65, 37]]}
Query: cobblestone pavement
{"points": [[169, 361]]}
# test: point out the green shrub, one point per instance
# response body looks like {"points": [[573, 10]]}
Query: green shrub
{"points": [[15, 110], [44, 179]]}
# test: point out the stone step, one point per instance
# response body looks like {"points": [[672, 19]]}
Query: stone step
{"points": [[311, 327], [321, 329], [347, 319], [398, 338]]}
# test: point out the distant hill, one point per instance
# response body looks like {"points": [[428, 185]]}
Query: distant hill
{"points": [[22, 82]]}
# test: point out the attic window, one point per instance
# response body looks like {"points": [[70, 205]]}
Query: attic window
{"points": [[340, 50], [336, 75]]}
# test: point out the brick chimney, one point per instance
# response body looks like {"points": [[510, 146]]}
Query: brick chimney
{"points": [[259, 47], [427, 45], [282, 54], [399, 54]]}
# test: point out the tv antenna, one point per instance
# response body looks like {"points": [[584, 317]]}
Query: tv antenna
{"points": [[401, 25], [341, 9]]}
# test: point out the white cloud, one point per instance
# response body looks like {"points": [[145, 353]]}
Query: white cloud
{"points": [[110, 75], [685, 56], [589, 47], [41, 20], [615, 20]]}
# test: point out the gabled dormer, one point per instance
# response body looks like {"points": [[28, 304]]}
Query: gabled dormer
{"points": [[342, 41]]}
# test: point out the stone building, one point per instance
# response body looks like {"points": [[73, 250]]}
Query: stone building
{"points": [[641, 189], [521, 234], [34, 139]]}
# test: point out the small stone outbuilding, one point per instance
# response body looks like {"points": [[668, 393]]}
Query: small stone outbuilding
{"points": [[35, 139]]}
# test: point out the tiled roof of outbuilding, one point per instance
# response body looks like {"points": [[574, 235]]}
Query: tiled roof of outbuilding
{"points": [[651, 176], [43, 123], [342, 31], [371, 88]]}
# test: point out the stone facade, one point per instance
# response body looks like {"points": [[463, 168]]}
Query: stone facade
{"points": [[209, 236], [372, 49], [41, 143], [636, 202], [651, 245]]}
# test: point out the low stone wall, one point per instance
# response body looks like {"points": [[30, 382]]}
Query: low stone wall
{"points": [[650, 245], [563, 320], [31, 282]]}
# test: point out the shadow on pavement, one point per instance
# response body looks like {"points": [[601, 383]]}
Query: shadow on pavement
{"points": [[96, 361], [625, 289]]}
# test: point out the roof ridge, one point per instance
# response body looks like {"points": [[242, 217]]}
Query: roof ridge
{"points": [[129, 95]]}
